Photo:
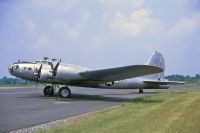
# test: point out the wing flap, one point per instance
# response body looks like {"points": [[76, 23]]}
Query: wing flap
{"points": [[120, 73]]}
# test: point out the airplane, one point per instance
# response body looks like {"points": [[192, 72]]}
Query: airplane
{"points": [[53, 74]]}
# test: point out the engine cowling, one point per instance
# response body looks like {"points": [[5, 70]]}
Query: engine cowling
{"points": [[46, 74]]}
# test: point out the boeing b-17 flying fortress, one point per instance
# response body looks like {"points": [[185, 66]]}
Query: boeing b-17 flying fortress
{"points": [[148, 76], [83, 81], [132, 61]]}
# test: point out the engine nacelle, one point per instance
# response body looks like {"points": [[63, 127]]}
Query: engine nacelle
{"points": [[46, 74]]}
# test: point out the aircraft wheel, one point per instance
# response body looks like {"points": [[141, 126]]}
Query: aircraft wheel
{"points": [[45, 91], [64, 92], [141, 91], [51, 91], [48, 90]]}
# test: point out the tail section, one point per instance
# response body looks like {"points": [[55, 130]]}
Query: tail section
{"points": [[157, 60]]}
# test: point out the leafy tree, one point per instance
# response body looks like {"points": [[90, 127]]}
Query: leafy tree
{"points": [[176, 77]]}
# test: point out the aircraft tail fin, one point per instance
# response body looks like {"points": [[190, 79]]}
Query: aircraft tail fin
{"points": [[157, 60]]}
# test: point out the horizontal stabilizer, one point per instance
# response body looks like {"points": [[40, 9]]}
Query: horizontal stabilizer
{"points": [[120, 73], [163, 82]]}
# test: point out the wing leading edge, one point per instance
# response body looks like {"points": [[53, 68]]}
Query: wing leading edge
{"points": [[120, 73]]}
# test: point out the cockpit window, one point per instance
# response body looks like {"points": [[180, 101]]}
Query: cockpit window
{"points": [[29, 68], [17, 67]]}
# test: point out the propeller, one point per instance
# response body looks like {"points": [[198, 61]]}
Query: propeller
{"points": [[38, 75], [54, 70]]}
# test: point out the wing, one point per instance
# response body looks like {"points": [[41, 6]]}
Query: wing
{"points": [[120, 73], [163, 82]]}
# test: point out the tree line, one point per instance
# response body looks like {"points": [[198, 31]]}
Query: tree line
{"points": [[188, 78], [13, 81]]}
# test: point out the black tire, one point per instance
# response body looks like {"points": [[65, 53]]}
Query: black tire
{"points": [[141, 91], [45, 90], [51, 91], [48, 91], [64, 92]]}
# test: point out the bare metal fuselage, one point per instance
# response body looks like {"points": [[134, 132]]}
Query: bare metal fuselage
{"points": [[70, 75]]}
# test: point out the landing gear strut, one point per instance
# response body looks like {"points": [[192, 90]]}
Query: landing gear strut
{"points": [[48, 91], [64, 92], [141, 91]]}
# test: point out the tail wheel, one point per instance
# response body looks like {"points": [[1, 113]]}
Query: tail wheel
{"points": [[48, 90], [64, 92]]}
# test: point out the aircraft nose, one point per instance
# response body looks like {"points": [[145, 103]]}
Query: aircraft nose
{"points": [[10, 69]]}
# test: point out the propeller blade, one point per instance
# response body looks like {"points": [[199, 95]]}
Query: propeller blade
{"points": [[55, 69], [38, 75], [54, 72], [39, 72]]}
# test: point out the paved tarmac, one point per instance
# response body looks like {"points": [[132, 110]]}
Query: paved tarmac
{"points": [[25, 107]]}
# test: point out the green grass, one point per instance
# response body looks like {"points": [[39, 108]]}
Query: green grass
{"points": [[177, 112]]}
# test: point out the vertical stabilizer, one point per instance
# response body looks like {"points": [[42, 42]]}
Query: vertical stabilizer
{"points": [[157, 60]]}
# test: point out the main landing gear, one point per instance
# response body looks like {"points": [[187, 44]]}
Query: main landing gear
{"points": [[48, 91], [64, 92]]}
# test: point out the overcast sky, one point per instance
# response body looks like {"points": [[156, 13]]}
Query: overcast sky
{"points": [[101, 33]]}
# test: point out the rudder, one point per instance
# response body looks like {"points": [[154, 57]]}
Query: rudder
{"points": [[157, 60]]}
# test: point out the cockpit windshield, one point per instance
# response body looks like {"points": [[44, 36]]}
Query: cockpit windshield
{"points": [[16, 67]]}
